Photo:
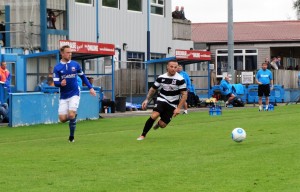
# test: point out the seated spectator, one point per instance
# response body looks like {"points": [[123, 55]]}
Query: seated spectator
{"points": [[4, 113], [107, 103], [91, 80], [43, 82], [227, 90], [50, 81]]}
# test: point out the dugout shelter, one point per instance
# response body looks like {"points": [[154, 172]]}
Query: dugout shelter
{"points": [[201, 79]]}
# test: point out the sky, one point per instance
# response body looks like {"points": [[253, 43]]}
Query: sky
{"points": [[206, 11]]}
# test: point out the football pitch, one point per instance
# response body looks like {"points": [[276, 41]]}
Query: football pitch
{"points": [[194, 153]]}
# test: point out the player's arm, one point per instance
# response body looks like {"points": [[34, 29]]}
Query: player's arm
{"points": [[256, 79], [56, 79], [181, 102], [150, 94], [86, 81]]}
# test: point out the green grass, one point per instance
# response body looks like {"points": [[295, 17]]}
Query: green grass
{"points": [[194, 153]]}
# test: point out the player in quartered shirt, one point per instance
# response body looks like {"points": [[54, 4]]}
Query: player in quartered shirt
{"points": [[65, 77]]}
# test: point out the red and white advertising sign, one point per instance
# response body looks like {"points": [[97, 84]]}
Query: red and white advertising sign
{"points": [[193, 55], [89, 47]]}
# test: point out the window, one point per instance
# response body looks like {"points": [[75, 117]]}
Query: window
{"points": [[84, 1], [111, 3], [136, 60], [135, 5], [157, 7], [244, 59]]}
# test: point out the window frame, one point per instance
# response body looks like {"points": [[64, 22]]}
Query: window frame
{"points": [[141, 7], [82, 3], [118, 5], [156, 4], [237, 52]]}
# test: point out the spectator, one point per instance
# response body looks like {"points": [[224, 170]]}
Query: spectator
{"points": [[50, 82], [227, 90], [267, 60], [106, 103], [91, 80], [182, 15], [278, 63], [5, 76], [188, 85], [176, 14], [51, 19], [43, 82], [274, 63], [4, 113]]}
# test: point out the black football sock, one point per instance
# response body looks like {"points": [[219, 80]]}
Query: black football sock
{"points": [[148, 126]]}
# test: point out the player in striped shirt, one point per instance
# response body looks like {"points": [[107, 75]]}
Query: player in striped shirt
{"points": [[65, 77], [172, 96]]}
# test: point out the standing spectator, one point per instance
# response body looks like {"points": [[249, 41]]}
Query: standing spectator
{"points": [[274, 63], [278, 63], [188, 85], [5, 76], [267, 60], [264, 79], [169, 102], [51, 19], [176, 14], [182, 14], [65, 77]]}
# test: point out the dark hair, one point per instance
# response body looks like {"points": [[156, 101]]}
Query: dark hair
{"points": [[264, 63], [64, 47], [173, 60]]}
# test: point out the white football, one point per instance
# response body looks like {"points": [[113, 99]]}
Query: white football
{"points": [[238, 134]]}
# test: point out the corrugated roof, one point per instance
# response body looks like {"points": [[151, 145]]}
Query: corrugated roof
{"points": [[261, 31]]}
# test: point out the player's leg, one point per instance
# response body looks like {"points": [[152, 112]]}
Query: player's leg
{"points": [[267, 94], [185, 107], [63, 110], [260, 94], [165, 116], [73, 106], [148, 124]]}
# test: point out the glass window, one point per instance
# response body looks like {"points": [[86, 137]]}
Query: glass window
{"points": [[84, 1], [157, 7], [137, 60], [135, 5], [111, 3], [244, 59]]}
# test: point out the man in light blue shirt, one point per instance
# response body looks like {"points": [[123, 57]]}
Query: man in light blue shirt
{"points": [[264, 79], [227, 90]]}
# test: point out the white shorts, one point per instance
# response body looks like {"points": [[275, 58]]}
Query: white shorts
{"points": [[70, 104]]}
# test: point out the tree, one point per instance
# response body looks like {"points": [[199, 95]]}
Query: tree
{"points": [[297, 4]]}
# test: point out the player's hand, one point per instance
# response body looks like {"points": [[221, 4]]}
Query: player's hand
{"points": [[144, 104], [92, 92], [271, 87], [63, 82], [176, 112]]}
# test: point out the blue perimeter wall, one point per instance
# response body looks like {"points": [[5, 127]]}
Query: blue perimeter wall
{"points": [[42, 108]]}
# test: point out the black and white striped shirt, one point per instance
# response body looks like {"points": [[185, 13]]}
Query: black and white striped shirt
{"points": [[171, 87]]}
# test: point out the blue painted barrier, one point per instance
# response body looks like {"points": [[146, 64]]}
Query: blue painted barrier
{"points": [[42, 108]]}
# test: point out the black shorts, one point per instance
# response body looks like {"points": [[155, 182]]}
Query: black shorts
{"points": [[165, 110], [264, 90]]}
